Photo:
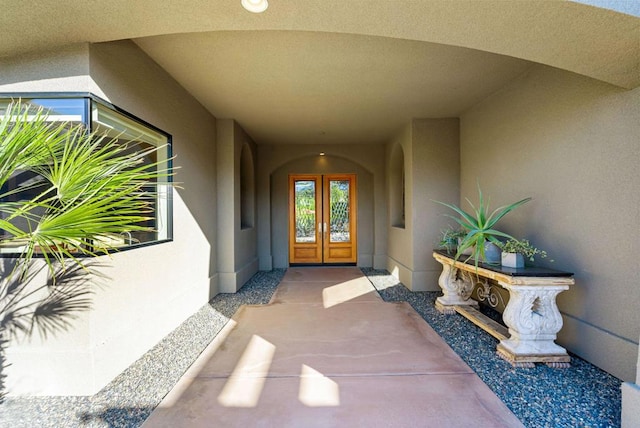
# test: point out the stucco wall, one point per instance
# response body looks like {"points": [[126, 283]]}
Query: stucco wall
{"points": [[432, 165], [276, 162], [436, 175], [64, 69], [148, 291], [246, 250], [572, 144], [237, 260], [399, 254]]}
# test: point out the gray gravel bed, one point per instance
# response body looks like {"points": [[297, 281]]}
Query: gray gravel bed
{"points": [[580, 396], [131, 397]]}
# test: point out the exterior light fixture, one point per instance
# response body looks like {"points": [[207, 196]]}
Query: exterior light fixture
{"points": [[321, 153], [255, 6]]}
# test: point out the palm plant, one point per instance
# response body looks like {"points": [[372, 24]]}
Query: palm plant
{"points": [[89, 188], [480, 225], [83, 190]]}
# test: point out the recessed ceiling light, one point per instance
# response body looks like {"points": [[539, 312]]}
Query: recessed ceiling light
{"points": [[255, 6]]}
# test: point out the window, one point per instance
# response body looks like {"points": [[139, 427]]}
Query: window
{"points": [[108, 120], [137, 136]]}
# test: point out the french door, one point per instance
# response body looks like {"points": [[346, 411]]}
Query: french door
{"points": [[322, 218]]}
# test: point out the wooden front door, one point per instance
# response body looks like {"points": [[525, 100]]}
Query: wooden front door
{"points": [[322, 219]]}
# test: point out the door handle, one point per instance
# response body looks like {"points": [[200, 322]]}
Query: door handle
{"points": [[324, 229]]}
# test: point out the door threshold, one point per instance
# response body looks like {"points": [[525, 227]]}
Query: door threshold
{"points": [[328, 265]]}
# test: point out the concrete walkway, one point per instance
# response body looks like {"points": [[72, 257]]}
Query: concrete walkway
{"points": [[328, 352]]}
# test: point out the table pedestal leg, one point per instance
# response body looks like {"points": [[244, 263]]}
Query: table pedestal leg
{"points": [[534, 320], [456, 291]]}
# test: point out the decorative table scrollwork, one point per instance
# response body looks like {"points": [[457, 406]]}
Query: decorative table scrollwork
{"points": [[487, 292]]}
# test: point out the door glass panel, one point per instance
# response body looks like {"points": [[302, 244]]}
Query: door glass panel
{"points": [[339, 216], [305, 211]]}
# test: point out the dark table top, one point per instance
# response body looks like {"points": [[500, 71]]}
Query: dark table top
{"points": [[525, 271]]}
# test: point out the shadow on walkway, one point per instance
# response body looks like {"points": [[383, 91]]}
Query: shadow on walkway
{"points": [[327, 351]]}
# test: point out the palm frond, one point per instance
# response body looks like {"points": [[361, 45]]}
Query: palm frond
{"points": [[83, 187], [95, 187]]}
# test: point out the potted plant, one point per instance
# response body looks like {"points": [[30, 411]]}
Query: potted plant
{"points": [[450, 237], [514, 252], [480, 227]]}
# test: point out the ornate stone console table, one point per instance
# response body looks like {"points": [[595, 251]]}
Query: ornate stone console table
{"points": [[531, 314]]}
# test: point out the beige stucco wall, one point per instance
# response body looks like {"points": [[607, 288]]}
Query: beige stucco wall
{"points": [[399, 259], [276, 162], [64, 69], [432, 165], [571, 143], [148, 291], [237, 247]]}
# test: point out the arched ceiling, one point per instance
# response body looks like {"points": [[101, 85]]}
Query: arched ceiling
{"points": [[340, 70], [309, 87]]}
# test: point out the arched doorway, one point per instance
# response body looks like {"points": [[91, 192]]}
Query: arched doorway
{"points": [[278, 226]]}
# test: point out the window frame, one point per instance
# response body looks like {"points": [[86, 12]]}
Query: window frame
{"points": [[87, 120]]}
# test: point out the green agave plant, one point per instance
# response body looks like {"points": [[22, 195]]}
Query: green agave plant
{"points": [[480, 225]]}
